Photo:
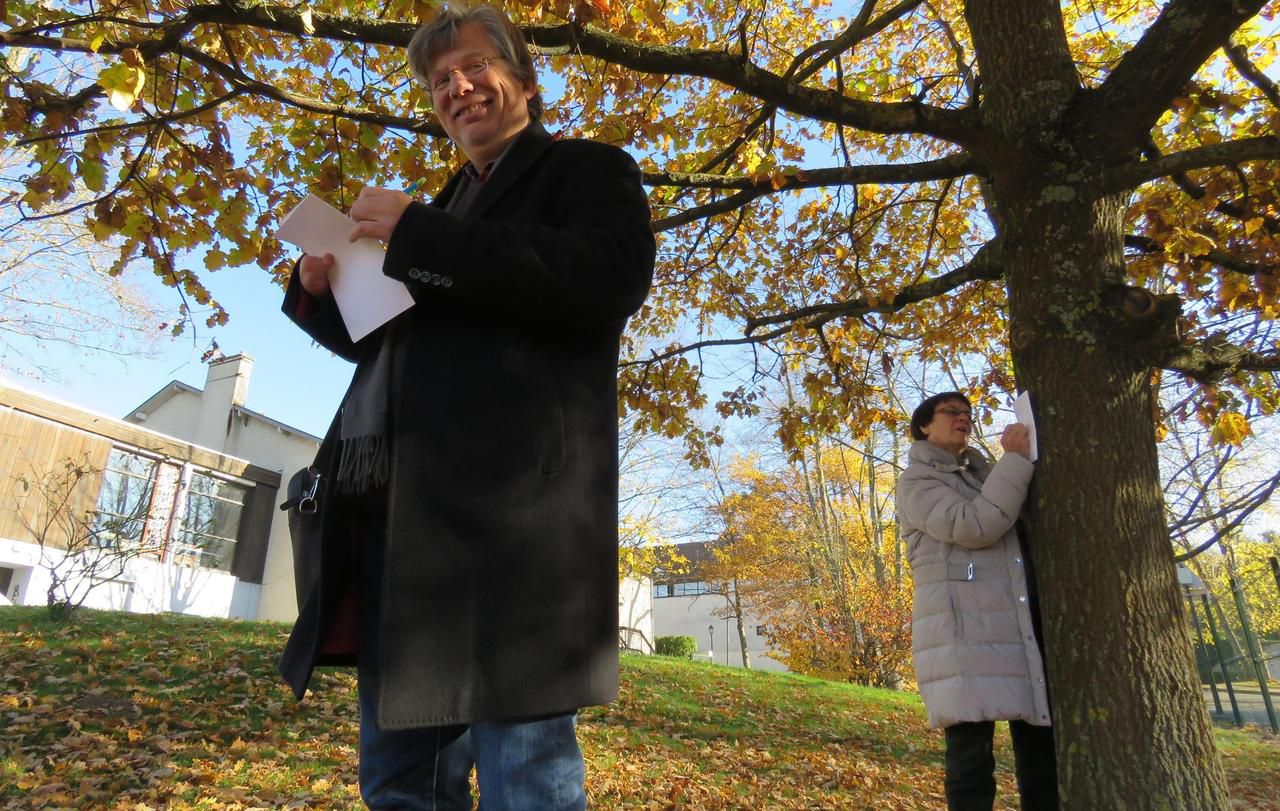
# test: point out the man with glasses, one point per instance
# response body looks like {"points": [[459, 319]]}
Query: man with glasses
{"points": [[470, 544]]}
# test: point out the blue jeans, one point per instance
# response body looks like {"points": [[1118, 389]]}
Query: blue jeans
{"points": [[520, 765]]}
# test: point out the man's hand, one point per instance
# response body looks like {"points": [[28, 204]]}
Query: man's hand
{"points": [[313, 273], [376, 213], [1015, 439]]}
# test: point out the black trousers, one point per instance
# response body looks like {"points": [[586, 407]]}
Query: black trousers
{"points": [[971, 765]]}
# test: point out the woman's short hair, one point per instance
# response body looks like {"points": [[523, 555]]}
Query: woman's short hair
{"points": [[441, 33], [923, 415]]}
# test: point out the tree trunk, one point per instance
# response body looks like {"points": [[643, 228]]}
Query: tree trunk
{"points": [[1132, 729], [742, 632], [1130, 722]]}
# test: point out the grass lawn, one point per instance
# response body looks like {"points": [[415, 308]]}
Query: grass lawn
{"points": [[121, 711]]}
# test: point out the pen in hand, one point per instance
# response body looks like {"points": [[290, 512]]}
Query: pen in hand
{"points": [[413, 187]]}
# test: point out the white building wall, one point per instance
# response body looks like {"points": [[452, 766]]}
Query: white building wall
{"points": [[635, 614], [716, 637], [146, 586], [217, 420]]}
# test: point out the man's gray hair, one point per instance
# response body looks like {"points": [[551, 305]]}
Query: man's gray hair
{"points": [[441, 34]]}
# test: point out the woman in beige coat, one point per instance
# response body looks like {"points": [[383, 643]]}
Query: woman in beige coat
{"points": [[975, 628]]}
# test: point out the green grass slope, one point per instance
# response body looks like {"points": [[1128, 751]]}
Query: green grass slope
{"points": [[120, 711]]}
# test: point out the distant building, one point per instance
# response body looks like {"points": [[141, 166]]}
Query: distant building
{"points": [[687, 605], [202, 501]]}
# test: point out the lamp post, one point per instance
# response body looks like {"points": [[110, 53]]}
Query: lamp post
{"points": [[711, 647]]}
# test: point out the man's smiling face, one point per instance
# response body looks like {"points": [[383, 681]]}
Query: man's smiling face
{"points": [[481, 113]]}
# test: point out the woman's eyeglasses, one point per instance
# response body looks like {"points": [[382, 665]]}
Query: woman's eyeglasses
{"points": [[952, 411]]}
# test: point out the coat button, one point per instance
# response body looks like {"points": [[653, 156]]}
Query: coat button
{"points": [[414, 273], [1017, 560], [445, 281], [435, 278], [1022, 598]]}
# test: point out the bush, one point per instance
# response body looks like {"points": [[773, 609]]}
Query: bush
{"points": [[682, 647]]}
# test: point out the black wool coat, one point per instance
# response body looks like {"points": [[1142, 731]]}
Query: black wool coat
{"points": [[499, 589]]}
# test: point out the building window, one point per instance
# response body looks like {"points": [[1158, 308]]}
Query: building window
{"points": [[661, 590], [124, 500], [690, 589], [762, 630], [210, 523]]}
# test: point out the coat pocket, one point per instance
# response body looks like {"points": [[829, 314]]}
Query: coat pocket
{"points": [[958, 573]]}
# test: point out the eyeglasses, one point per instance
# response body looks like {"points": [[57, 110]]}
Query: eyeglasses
{"points": [[952, 411], [470, 70]]}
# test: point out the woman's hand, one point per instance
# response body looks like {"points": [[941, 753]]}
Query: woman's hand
{"points": [[1016, 439]]}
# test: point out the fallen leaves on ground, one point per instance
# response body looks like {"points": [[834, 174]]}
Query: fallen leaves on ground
{"points": [[137, 712]]}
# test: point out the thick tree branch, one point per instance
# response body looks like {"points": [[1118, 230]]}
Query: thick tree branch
{"points": [[948, 168], [1129, 176], [722, 206], [1226, 261], [728, 68], [1142, 85], [957, 126], [984, 266], [1210, 360]]}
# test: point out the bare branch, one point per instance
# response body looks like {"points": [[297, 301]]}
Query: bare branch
{"points": [[1240, 59]]}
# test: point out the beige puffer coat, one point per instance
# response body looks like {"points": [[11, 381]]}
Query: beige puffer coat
{"points": [[975, 651]]}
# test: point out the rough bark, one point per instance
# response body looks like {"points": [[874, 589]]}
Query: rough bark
{"points": [[1122, 680]]}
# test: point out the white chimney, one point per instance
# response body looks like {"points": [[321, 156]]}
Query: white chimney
{"points": [[226, 386]]}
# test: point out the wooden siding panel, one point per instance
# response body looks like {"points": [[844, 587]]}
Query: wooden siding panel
{"points": [[128, 434], [36, 450]]}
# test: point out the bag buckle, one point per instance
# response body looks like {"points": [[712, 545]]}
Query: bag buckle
{"points": [[307, 503]]}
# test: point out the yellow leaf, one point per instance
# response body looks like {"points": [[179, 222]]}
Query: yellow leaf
{"points": [[123, 83], [308, 25], [1230, 429], [1251, 226], [96, 42]]}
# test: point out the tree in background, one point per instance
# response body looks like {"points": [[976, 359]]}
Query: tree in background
{"points": [[55, 290], [797, 551], [1079, 193]]}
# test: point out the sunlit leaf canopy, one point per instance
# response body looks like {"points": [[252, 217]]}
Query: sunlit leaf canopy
{"points": [[812, 169]]}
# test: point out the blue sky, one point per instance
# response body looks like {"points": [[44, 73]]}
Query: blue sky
{"points": [[294, 381]]}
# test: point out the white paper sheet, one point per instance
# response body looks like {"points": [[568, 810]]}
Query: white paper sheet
{"points": [[366, 298], [1022, 413]]}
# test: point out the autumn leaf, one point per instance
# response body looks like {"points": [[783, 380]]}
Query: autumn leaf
{"points": [[1231, 429], [123, 83]]}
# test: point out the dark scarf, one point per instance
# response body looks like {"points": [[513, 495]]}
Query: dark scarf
{"points": [[364, 459]]}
